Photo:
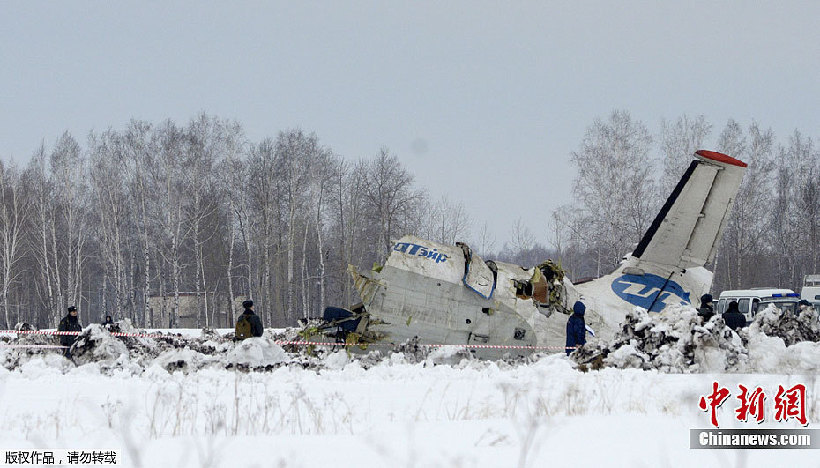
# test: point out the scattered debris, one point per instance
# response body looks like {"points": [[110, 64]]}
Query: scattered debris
{"points": [[674, 341], [790, 329]]}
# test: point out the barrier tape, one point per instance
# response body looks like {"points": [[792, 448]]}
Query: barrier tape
{"points": [[33, 346], [432, 345], [46, 332], [302, 343]]}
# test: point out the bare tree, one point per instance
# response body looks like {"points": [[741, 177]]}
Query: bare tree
{"points": [[233, 178], [138, 150], [747, 225], [168, 201], [206, 137], [485, 241], [795, 218], [678, 141], [390, 198], [14, 208], [614, 187], [108, 183], [68, 168], [446, 222], [42, 194], [350, 221]]}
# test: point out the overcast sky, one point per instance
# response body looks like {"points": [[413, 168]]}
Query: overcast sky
{"points": [[482, 101]]}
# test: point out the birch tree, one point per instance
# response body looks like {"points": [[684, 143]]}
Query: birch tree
{"points": [[68, 168], [391, 199], [206, 139], [678, 142], [168, 204], [43, 205], [138, 151], [615, 187], [746, 226], [108, 183], [233, 178], [446, 222], [14, 209]]}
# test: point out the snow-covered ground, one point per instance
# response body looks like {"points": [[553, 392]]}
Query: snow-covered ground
{"points": [[205, 405]]}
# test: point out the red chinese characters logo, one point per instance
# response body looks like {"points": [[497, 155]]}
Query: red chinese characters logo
{"points": [[791, 403], [750, 404], [718, 396], [788, 404]]}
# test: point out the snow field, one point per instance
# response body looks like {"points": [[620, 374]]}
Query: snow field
{"points": [[395, 413], [210, 402]]}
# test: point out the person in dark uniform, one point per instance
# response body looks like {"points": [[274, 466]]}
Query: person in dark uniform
{"points": [[733, 318], [69, 323], [248, 324], [706, 309]]}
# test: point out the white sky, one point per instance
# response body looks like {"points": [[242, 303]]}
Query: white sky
{"points": [[483, 101]]}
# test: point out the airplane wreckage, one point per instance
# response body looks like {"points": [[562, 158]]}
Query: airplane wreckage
{"points": [[444, 294]]}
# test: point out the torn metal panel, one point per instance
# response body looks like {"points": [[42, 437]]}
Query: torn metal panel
{"points": [[479, 276]]}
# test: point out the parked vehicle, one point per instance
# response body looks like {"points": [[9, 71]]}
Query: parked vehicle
{"points": [[788, 304], [750, 301], [811, 290]]}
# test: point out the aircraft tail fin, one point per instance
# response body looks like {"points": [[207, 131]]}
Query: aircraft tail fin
{"points": [[667, 267], [688, 229]]}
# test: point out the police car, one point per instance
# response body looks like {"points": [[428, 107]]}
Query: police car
{"points": [[750, 301]]}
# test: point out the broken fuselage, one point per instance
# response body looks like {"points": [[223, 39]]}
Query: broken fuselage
{"points": [[447, 295]]}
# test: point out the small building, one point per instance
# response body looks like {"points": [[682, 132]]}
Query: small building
{"points": [[191, 304]]}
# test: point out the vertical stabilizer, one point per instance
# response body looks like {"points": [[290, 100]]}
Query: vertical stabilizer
{"points": [[667, 267]]}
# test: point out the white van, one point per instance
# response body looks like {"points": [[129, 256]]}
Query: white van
{"points": [[811, 290], [748, 300]]}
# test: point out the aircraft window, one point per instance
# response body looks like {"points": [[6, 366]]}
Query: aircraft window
{"points": [[743, 306]]}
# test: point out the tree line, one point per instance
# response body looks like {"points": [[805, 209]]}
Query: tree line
{"points": [[198, 210]]}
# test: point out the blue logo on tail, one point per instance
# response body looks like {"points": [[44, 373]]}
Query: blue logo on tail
{"points": [[645, 291]]}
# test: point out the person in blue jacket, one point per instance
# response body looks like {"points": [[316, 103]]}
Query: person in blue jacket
{"points": [[576, 327]]}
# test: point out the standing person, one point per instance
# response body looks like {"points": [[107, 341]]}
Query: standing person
{"points": [[109, 324], [706, 307], [248, 324], [734, 319], [804, 307], [576, 327], [70, 323]]}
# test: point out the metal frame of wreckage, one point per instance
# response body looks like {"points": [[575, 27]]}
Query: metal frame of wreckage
{"points": [[277, 342]]}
